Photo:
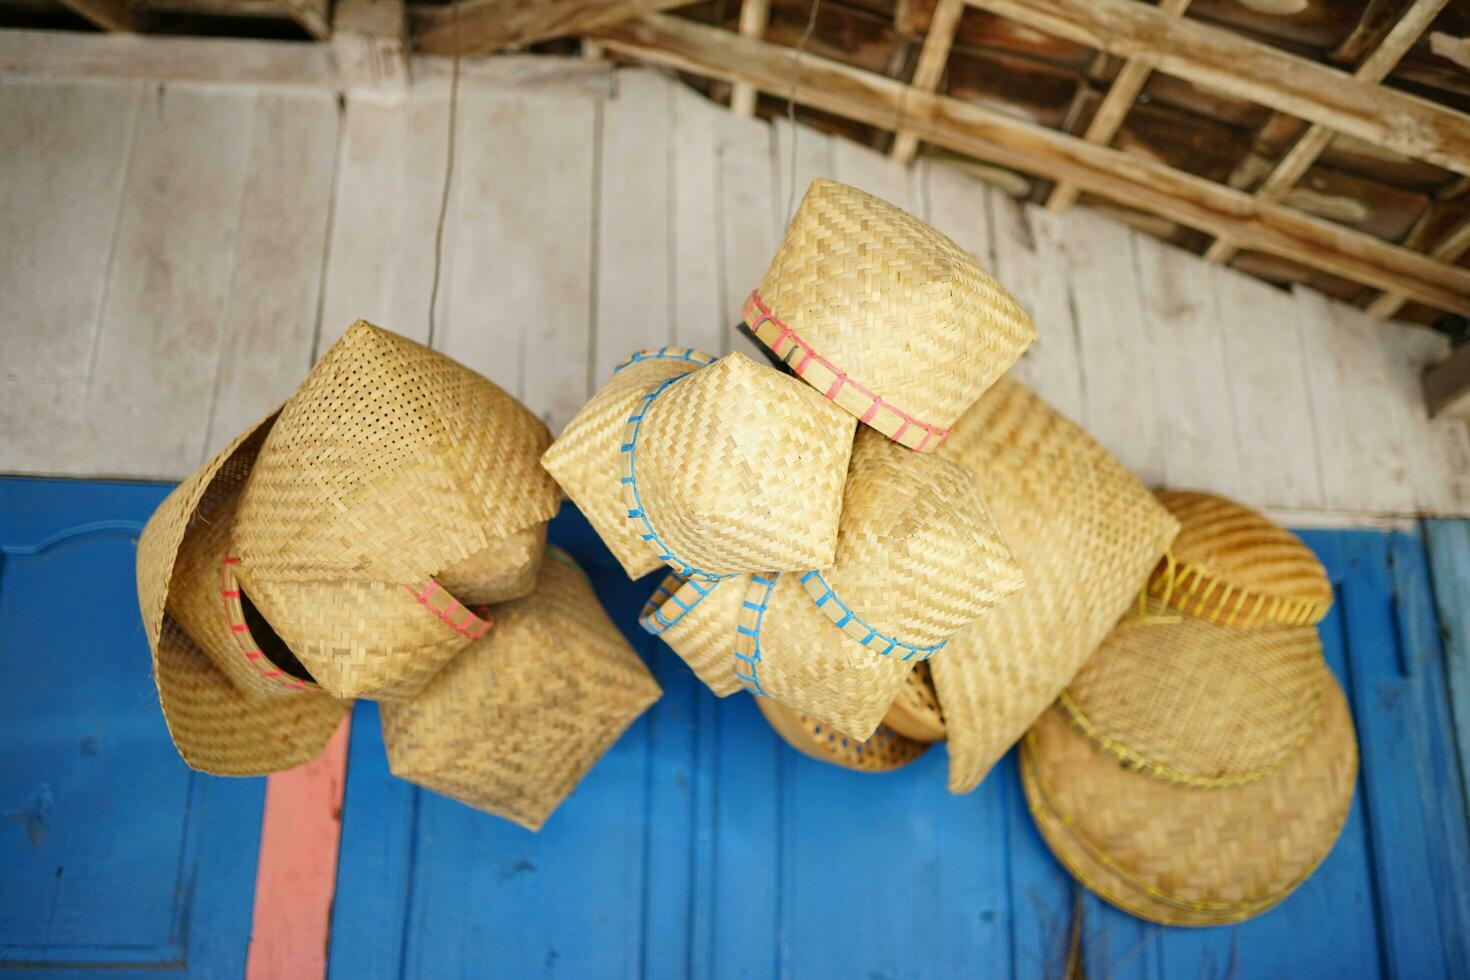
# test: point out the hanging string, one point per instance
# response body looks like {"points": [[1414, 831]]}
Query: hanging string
{"points": [[448, 169], [811, 25]]}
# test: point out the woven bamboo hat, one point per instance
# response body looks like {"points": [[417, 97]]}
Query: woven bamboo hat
{"points": [[883, 751], [918, 557], [235, 701], [390, 466], [713, 468], [513, 723], [1086, 534], [884, 315], [1196, 772]]}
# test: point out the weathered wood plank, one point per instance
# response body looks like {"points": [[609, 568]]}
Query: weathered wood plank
{"points": [[1438, 450], [634, 235], [960, 206], [1448, 543], [1358, 422], [699, 303], [971, 129], [1118, 386], [270, 316], [314, 16], [813, 158], [1031, 262], [1264, 365], [520, 301], [1226, 62], [64, 151], [1449, 249], [744, 150], [148, 399], [871, 171], [1192, 395], [482, 26], [754, 15]]}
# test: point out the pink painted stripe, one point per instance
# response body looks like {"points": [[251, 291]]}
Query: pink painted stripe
{"points": [[843, 379], [477, 627], [296, 869]]}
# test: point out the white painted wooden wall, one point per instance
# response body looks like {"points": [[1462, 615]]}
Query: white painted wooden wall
{"points": [[174, 256]]}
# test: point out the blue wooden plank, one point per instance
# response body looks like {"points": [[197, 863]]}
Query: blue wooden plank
{"points": [[114, 853], [1384, 709], [1440, 790], [1448, 543]]}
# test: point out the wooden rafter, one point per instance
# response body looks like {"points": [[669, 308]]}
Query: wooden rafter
{"points": [[1221, 60], [1375, 68], [930, 69], [754, 15], [314, 16], [1454, 245], [483, 26], [973, 130], [1115, 105], [110, 15]]}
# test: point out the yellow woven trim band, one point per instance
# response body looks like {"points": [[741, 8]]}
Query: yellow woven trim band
{"points": [[1192, 590], [1136, 761]]}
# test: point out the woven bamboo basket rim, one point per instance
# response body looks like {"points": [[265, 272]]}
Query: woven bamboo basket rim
{"points": [[1203, 575], [835, 384], [685, 594], [1091, 865], [915, 712], [885, 751]]}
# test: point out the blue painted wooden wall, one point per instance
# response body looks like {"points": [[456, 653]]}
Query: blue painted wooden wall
{"points": [[114, 856], [701, 846]]}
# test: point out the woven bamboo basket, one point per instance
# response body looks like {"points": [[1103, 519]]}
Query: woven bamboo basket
{"points": [[1235, 566], [1197, 703], [884, 315], [1087, 535], [918, 557], [1181, 855], [235, 701], [915, 712], [513, 723], [884, 751], [698, 621], [389, 464], [721, 470]]}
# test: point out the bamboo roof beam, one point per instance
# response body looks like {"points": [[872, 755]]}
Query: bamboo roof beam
{"points": [[1375, 68], [483, 26], [754, 15], [110, 15], [1226, 62], [1454, 245], [928, 73], [1010, 142], [1115, 105]]}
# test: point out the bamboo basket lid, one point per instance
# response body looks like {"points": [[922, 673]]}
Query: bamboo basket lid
{"points": [[1086, 533], [514, 722], [884, 751], [713, 469], [390, 463], [1181, 855], [1235, 566], [228, 712], [915, 712], [884, 315], [586, 458]]}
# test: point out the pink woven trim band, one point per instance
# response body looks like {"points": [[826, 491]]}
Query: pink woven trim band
{"points": [[229, 592], [893, 422]]}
